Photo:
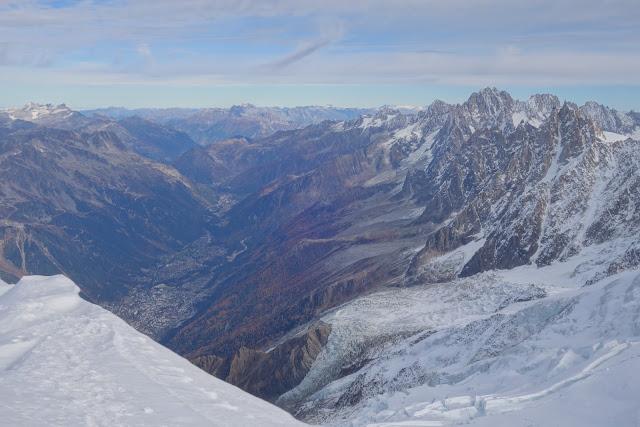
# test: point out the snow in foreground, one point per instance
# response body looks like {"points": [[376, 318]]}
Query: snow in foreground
{"points": [[66, 362]]}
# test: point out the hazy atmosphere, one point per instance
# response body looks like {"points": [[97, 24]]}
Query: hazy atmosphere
{"points": [[365, 53]]}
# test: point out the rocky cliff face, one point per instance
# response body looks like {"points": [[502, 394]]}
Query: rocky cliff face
{"points": [[530, 193], [268, 374]]}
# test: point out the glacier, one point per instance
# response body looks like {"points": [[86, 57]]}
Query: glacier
{"points": [[529, 346]]}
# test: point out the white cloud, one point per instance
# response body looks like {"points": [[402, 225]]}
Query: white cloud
{"points": [[144, 50]]}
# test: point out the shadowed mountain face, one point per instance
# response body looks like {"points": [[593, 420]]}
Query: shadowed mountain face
{"points": [[308, 219], [156, 141], [84, 205]]}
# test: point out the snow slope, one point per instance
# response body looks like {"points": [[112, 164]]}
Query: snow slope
{"points": [[66, 362]]}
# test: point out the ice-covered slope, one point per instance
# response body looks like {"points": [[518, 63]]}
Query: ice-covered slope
{"points": [[525, 347], [66, 362]]}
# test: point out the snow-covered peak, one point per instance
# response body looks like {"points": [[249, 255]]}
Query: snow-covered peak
{"points": [[404, 109], [597, 111], [386, 117], [437, 107], [609, 119], [487, 108], [33, 111], [387, 110], [241, 109], [66, 362], [49, 115], [489, 101], [535, 110], [542, 104]]}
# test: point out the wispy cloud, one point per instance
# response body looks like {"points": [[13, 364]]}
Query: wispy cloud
{"points": [[300, 53], [144, 50]]}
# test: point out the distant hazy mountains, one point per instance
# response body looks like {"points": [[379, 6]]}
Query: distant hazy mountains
{"points": [[208, 125], [147, 138], [248, 244]]}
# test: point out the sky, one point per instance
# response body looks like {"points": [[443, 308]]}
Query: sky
{"points": [[362, 53]]}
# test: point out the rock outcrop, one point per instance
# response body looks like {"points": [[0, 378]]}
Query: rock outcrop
{"points": [[268, 374]]}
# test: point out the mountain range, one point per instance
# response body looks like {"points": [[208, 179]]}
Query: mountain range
{"points": [[207, 125], [459, 263]]}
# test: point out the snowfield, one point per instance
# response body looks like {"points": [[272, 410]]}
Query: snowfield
{"points": [[67, 362]]}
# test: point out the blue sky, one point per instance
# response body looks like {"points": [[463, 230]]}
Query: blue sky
{"points": [[197, 53]]}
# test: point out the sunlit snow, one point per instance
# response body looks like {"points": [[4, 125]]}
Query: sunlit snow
{"points": [[66, 362]]}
